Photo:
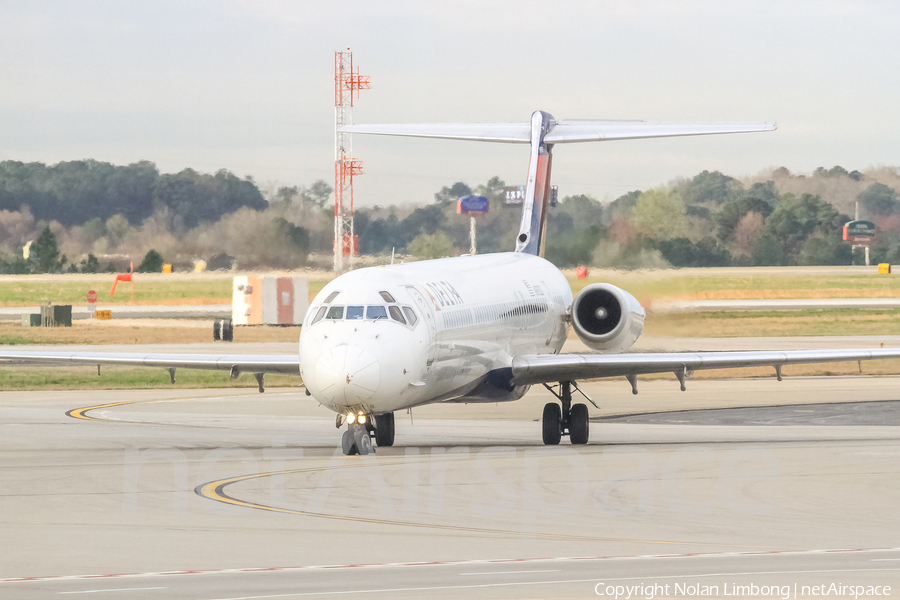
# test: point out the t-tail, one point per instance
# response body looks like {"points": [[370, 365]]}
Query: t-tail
{"points": [[542, 133], [537, 190]]}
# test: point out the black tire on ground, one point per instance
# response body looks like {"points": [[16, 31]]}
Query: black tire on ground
{"points": [[363, 442], [227, 330], [551, 424], [579, 424], [217, 332], [384, 430], [348, 443]]}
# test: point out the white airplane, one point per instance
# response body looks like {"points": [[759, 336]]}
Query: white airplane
{"points": [[474, 328]]}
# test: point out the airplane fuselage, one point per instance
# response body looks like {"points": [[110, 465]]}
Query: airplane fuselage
{"points": [[382, 339]]}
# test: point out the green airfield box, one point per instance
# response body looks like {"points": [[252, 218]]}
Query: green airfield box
{"points": [[31, 320]]}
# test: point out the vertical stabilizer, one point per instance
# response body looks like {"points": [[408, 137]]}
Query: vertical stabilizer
{"points": [[537, 191]]}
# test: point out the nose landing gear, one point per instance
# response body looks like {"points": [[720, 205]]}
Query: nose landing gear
{"points": [[570, 420], [358, 437], [356, 440]]}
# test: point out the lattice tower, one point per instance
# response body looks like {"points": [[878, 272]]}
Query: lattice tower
{"points": [[346, 84]]}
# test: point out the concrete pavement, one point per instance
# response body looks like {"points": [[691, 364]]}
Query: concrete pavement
{"points": [[125, 492]]}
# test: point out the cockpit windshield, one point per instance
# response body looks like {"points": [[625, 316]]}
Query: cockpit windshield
{"points": [[376, 312]]}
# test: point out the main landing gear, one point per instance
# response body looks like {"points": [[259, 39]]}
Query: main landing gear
{"points": [[566, 420], [384, 430], [360, 428]]}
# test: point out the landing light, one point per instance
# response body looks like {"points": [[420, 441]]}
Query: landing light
{"points": [[362, 419], [350, 418]]}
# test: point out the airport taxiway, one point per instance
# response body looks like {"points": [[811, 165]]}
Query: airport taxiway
{"points": [[214, 494]]}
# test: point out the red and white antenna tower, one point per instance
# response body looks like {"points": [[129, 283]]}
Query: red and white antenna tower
{"points": [[346, 83]]}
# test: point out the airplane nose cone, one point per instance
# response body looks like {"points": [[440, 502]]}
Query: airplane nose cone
{"points": [[347, 375]]}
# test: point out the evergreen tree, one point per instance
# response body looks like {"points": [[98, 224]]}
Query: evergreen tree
{"points": [[90, 264], [152, 263], [44, 252]]}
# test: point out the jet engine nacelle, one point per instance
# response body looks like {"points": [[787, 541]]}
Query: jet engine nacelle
{"points": [[607, 318]]}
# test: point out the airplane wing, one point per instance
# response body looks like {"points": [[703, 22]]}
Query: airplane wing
{"points": [[546, 368], [287, 364], [561, 132]]}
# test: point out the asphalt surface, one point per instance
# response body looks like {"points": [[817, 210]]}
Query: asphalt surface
{"points": [[214, 494], [837, 414]]}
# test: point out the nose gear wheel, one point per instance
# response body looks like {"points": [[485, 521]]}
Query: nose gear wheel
{"points": [[356, 441]]}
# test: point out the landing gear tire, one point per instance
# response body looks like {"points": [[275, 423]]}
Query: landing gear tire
{"points": [[579, 424], [363, 442], [552, 424], [384, 430], [356, 441], [348, 444]]}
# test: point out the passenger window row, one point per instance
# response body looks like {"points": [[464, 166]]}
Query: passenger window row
{"points": [[494, 312]]}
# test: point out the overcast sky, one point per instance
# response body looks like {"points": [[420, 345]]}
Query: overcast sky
{"points": [[248, 86]]}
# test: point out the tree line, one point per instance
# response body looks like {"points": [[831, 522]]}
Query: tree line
{"points": [[89, 216], [710, 219], [74, 192]]}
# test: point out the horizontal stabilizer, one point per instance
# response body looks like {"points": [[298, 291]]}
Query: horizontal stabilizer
{"points": [[598, 131], [560, 132], [510, 133]]}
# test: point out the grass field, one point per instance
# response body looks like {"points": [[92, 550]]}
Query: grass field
{"points": [[148, 290], [775, 323], [712, 284], [152, 291], [653, 285], [150, 331]]}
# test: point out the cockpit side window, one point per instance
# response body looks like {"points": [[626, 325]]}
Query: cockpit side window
{"points": [[319, 315], [335, 312], [376, 312], [396, 314], [331, 297], [387, 297], [354, 313], [410, 315]]}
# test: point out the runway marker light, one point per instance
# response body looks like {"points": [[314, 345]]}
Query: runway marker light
{"points": [[350, 418]]}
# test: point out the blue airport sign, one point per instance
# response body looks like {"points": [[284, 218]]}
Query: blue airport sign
{"points": [[472, 204]]}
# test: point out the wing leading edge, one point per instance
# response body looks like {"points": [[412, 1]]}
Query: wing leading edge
{"points": [[286, 364], [546, 368]]}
